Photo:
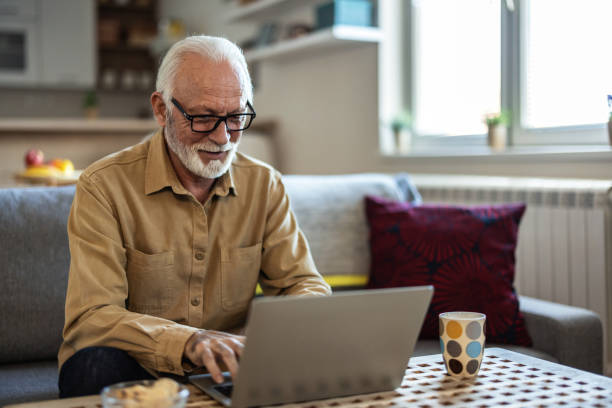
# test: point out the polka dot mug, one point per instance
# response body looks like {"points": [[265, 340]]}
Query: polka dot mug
{"points": [[462, 341]]}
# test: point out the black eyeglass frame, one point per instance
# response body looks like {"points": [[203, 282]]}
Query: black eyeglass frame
{"points": [[220, 119]]}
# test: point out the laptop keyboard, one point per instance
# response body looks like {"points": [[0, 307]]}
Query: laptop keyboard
{"points": [[225, 389]]}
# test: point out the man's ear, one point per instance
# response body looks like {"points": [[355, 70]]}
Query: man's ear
{"points": [[159, 108]]}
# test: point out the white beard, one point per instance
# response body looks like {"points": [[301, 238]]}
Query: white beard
{"points": [[188, 155]]}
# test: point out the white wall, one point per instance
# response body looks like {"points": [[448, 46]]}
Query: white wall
{"points": [[326, 105]]}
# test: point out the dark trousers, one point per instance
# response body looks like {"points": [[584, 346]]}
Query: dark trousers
{"points": [[93, 368]]}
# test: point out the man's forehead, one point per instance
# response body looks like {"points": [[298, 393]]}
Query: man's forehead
{"points": [[201, 70], [197, 102], [201, 78]]}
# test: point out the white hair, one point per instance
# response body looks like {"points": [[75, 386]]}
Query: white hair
{"points": [[216, 49]]}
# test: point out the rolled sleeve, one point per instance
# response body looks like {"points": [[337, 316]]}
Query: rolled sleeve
{"points": [[169, 353]]}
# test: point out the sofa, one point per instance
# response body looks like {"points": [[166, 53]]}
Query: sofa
{"points": [[34, 261]]}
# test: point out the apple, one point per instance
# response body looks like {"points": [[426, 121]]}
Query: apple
{"points": [[34, 157]]}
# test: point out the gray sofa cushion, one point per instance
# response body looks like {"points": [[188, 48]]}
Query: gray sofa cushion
{"points": [[330, 211], [34, 270], [28, 382]]}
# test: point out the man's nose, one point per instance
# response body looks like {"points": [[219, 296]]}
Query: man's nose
{"points": [[220, 135]]}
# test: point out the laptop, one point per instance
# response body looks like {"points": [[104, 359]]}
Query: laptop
{"points": [[309, 348]]}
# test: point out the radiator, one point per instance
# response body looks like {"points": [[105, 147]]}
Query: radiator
{"points": [[564, 251]]}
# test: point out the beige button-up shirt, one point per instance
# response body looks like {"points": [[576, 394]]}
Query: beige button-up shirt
{"points": [[150, 264]]}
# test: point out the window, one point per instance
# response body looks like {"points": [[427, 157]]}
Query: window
{"points": [[545, 61], [568, 64], [457, 65]]}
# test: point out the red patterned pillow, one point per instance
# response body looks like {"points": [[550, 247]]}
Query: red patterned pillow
{"points": [[466, 253]]}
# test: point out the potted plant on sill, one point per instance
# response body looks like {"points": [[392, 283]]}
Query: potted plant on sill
{"points": [[497, 130], [401, 125], [90, 105]]}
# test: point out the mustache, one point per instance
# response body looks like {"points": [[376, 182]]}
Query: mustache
{"points": [[212, 147]]}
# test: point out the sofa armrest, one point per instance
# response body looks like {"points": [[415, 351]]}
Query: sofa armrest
{"points": [[571, 334]]}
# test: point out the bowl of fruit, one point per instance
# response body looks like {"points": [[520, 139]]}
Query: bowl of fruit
{"points": [[53, 172]]}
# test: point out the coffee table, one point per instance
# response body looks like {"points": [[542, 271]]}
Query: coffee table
{"points": [[506, 379]]}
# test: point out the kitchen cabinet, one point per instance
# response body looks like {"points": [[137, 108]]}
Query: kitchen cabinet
{"points": [[67, 43], [47, 44]]}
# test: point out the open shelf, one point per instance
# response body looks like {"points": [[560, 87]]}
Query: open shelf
{"points": [[318, 40], [124, 32], [265, 9]]}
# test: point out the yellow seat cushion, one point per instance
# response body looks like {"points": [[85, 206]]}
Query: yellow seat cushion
{"points": [[337, 282]]}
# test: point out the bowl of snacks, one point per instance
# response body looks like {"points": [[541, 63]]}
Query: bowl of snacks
{"points": [[162, 393]]}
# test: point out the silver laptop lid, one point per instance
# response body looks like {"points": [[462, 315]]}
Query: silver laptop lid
{"points": [[306, 348]]}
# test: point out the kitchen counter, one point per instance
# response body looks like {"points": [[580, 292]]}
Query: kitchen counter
{"points": [[76, 125]]}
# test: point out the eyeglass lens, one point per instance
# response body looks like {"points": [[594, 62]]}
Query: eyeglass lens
{"points": [[233, 122]]}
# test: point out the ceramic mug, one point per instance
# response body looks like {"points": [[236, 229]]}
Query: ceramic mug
{"points": [[462, 341]]}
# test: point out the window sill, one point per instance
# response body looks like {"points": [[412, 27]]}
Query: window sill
{"points": [[510, 153]]}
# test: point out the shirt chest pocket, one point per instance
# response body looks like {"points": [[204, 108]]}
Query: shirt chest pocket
{"points": [[151, 282], [239, 274]]}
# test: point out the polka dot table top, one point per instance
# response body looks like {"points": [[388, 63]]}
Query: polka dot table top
{"points": [[506, 379]]}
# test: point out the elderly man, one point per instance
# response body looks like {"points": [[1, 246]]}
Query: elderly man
{"points": [[170, 237]]}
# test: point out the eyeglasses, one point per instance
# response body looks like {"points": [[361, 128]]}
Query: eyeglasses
{"points": [[208, 123]]}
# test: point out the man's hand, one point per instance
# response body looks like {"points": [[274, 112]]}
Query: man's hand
{"points": [[209, 348]]}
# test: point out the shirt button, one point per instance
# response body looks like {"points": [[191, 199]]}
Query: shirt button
{"points": [[195, 301], [199, 256]]}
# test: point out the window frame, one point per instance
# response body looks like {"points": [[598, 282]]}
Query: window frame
{"points": [[513, 21]]}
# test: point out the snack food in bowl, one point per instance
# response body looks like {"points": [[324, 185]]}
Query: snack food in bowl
{"points": [[162, 393]]}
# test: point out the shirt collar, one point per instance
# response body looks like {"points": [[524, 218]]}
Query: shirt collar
{"points": [[225, 183], [159, 172]]}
